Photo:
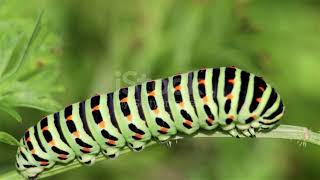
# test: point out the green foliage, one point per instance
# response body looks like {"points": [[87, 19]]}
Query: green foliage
{"points": [[8, 139], [27, 75], [26, 80]]}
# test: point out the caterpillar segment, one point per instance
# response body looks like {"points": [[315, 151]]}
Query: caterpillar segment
{"points": [[257, 101], [273, 115], [102, 124], [207, 110], [83, 145], [183, 111], [35, 160], [133, 128], [236, 101], [38, 153], [53, 140], [26, 163], [159, 121]]}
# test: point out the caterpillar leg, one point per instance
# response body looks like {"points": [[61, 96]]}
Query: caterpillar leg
{"points": [[255, 124], [231, 128], [163, 138], [32, 173], [166, 142], [111, 153], [249, 133], [137, 146], [169, 144], [252, 132], [234, 133], [87, 159], [247, 130]]}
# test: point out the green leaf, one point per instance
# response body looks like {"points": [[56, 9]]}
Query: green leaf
{"points": [[47, 77], [8, 139], [28, 71], [32, 99], [6, 44], [11, 111], [43, 104], [11, 65], [18, 54]]}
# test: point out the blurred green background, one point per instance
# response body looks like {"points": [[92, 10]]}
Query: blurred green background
{"points": [[88, 47]]}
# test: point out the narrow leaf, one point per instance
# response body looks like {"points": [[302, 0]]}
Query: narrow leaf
{"points": [[6, 50], [8, 139], [19, 58], [31, 100], [11, 111], [14, 58]]}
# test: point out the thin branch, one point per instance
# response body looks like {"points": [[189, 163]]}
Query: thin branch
{"points": [[281, 132]]}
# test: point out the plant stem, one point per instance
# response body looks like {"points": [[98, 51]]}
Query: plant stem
{"points": [[281, 132]]}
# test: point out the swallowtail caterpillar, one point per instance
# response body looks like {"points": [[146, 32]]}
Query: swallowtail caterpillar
{"points": [[227, 97]]}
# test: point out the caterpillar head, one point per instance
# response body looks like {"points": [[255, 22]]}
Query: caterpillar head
{"points": [[273, 115]]}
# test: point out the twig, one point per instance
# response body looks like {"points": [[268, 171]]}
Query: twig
{"points": [[281, 132]]}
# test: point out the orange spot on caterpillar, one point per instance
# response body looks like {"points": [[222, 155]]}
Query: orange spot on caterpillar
{"points": [[153, 93], [156, 111], [76, 134], [86, 150], [205, 99], [187, 122], [231, 117], [129, 117], [112, 142], [258, 100], [69, 118], [254, 117], [202, 81], [96, 108], [261, 88], [63, 156], [43, 163], [124, 100], [210, 120], [138, 136], [181, 104], [163, 129], [178, 88], [231, 81], [45, 128], [33, 151], [229, 96], [52, 143], [102, 124], [29, 139]]}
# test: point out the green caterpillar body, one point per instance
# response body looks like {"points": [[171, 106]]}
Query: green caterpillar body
{"points": [[235, 100]]}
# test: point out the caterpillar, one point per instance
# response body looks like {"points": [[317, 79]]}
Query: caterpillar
{"points": [[232, 99]]}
